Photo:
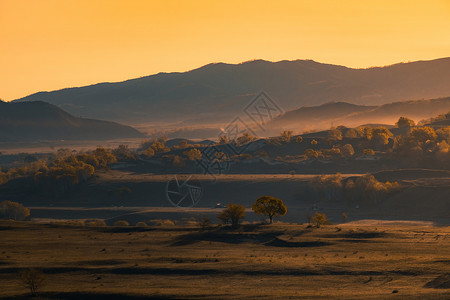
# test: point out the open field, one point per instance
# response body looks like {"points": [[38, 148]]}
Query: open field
{"points": [[423, 197], [365, 260]]}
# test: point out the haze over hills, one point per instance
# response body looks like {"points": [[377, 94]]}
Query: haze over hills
{"points": [[34, 121], [217, 92], [341, 113]]}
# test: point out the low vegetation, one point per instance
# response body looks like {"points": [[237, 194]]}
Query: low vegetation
{"points": [[280, 261], [233, 214], [13, 211]]}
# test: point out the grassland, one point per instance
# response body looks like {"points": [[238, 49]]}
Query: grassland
{"points": [[348, 261]]}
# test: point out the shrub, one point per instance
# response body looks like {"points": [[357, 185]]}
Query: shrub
{"points": [[233, 214], [327, 187], [223, 139], [269, 206], [160, 147], [368, 187], [351, 133], [334, 135], [344, 217], [3, 178], [162, 222], [13, 210], [380, 136], [178, 161], [347, 150], [261, 153], [123, 153], [141, 224], [286, 136], [245, 138], [95, 223], [148, 153], [443, 134], [242, 156], [419, 136], [104, 158], [310, 153], [73, 223], [404, 122], [121, 223], [204, 223], [369, 152], [193, 154]]}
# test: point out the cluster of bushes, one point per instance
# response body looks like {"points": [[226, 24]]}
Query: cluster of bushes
{"points": [[411, 144], [63, 171], [13, 211], [66, 171], [366, 187], [424, 142]]}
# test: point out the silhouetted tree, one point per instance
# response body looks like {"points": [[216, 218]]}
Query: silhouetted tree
{"points": [[245, 138], [286, 136], [404, 122], [32, 279]]}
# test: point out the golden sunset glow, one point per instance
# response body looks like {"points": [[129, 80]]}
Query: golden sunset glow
{"points": [[52, 44]]}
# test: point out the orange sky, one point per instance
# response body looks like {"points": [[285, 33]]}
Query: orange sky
{"points": [[52, 44]]}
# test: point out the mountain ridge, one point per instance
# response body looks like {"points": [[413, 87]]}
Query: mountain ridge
{"points": [[37, 120], [221, 91]]}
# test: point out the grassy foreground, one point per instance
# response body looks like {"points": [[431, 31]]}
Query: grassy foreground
{"points": [[349, 261]]}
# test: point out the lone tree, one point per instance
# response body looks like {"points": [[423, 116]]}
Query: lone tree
{"points": [[233, 214], [269, 206], [319, 219], [32, 279]]}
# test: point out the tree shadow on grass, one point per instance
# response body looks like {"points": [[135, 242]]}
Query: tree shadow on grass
{"points": [[276, 242], [226, 236], [245, 234]]}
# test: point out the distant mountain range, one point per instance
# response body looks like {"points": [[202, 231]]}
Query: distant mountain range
{"points": [[218, 92], [351, 115], [34, 121]]}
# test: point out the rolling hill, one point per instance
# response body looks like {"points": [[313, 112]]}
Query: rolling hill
{"points": [[218, 92], [341, 113], [34, 121]]}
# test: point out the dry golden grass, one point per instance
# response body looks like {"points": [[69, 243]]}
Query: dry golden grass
{"points": [[352, 261]]}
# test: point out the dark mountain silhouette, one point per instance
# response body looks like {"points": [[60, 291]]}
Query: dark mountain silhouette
{"points": [[217, 92], [341, 113], [33, 121]]}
